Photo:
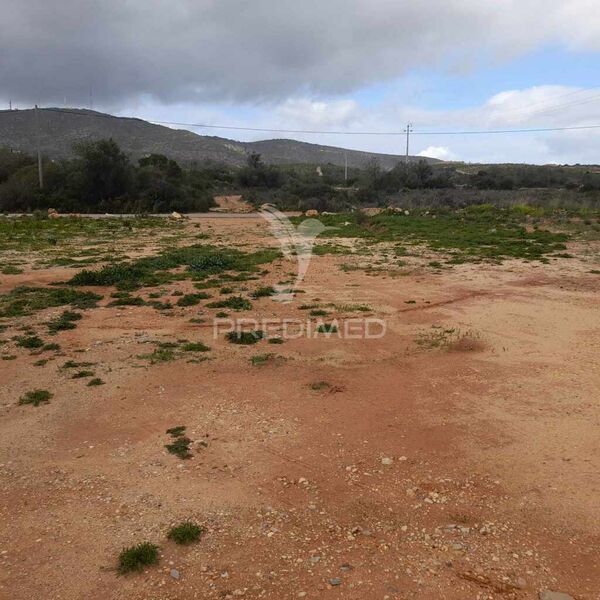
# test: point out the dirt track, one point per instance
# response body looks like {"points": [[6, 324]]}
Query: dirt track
{"points": [[419, 473]]}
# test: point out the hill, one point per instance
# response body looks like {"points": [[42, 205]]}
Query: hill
{"points": [[59, 129]]}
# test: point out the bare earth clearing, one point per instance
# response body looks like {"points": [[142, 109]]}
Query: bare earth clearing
{"points": [[420, 470]]}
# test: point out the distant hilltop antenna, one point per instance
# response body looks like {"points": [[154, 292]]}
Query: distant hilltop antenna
{"points": [[10, 105]]}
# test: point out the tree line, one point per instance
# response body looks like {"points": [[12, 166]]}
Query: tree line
{"points": [[102, 178]]}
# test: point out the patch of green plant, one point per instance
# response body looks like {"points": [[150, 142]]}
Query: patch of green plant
{"points": [[318, 386], [40, 363], [9, 357], [226, 290], [36, 397], [275, 340], [353, 308], [160, 305], [126, 299], [185, 533], [261, 359], [51, 347], [327, 328], [135, 558], [200, 261], [30, 341], [234, 302], [23, 301], [195, 347], [82, 374], [176, 431], [221, 315], [27, 233], [65, 321], [11, 270], [192, 299], [479, 232], [318, 312], [180, 447], [95, 381], [245, 338], [322, 249], [160, 355], [263, 292], [435, 338], [71, 364]]}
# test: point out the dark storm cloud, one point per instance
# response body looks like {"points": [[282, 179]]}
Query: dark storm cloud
{"points": [[182, 50]]}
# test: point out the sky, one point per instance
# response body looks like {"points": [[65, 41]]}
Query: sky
{"points": [[340, 65]]}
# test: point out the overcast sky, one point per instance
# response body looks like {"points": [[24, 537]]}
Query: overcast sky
{"points": [[344, 65]]}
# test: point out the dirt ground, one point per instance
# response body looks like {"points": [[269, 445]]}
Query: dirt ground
{"points": [[419, 471]]}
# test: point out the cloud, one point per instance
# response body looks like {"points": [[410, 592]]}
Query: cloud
{"points": [[534, 107], [263, 51], [441, 152]]}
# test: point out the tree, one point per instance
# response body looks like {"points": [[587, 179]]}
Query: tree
{"points": [[106, 172]]}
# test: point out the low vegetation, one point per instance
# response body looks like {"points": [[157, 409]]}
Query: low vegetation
{"points": [[135, 558], [36, 397], [185, 533]]}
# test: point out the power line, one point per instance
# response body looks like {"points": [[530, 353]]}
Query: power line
{"points": [[548, 102], [332, 132], [469, 132]]}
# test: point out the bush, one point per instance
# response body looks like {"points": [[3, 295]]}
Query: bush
{"points": [[135, 558], [245, 338], [185, 533], [36, 397]]}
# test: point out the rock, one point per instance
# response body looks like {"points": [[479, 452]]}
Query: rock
{"points": [[311, 213], [386, 460], [175, 574], [548, 595], [335, 581], [346, 567], [177, 216]]}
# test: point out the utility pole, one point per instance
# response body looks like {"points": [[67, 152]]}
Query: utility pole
{"points": [[10, 105], [345, 166], [39, 153], [408, 131]]}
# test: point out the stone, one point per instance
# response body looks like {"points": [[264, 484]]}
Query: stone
{"points": [[549, 595], [175, 574], [386, 461], [335, 581]]}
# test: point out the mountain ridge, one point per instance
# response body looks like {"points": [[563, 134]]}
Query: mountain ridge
{"points": [[60, 129]]}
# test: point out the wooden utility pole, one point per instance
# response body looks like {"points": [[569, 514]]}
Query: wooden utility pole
{"points": [[408, 131], [39, 152], [345, 166]]}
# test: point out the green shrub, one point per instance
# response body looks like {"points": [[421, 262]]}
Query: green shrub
{"points": [[263, 292], [234, 302], [185, 533], [180, 447], [135, 558], [245, 338], [82, 374], [195, 347], [32, 341], [64, 322], [36, 397]]}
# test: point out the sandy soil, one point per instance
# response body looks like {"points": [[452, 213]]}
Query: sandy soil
{"points": [[425, 473]]}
